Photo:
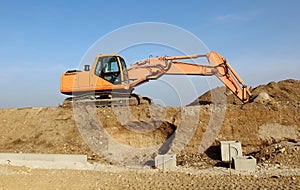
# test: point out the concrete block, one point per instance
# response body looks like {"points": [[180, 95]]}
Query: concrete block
{"points": [[244, 163], [165, 161], [234, 148]]}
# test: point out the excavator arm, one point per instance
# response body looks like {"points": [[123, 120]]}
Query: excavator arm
{"points": [[153, 68]]}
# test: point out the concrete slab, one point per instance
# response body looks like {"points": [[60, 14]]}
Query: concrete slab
{"points": [[44, 157], [232, 148], [244, 163], [47, 161], [167, 161]]}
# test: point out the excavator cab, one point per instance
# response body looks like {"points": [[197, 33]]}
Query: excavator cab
{"points": [[112, 69]]}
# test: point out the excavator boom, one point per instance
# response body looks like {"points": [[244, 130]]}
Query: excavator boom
{"points": [[153, 68]]}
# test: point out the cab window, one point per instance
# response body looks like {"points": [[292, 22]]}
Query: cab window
{"points": [[123, 63], [110, 65]]}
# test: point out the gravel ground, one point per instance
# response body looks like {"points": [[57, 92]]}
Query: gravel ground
{"points": [[100, 176]]}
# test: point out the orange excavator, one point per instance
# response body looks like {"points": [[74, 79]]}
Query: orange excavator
{"points": [[109, 80]]}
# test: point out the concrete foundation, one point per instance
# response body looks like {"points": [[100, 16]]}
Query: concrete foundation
{"points": [[167, 162], [230, 149], [244, 163]]}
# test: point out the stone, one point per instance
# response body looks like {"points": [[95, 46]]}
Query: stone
{"points": [[262, 97], [282, 150]]}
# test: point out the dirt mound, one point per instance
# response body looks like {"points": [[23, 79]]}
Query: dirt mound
{"points": [[282, 92], [40, 130], [283, 153], [273, 117], [54, 130], [257, 125], [134, 126], [216, 96]]}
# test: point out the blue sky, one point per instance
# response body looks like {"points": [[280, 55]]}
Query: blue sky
{"points": [[39, 40]]}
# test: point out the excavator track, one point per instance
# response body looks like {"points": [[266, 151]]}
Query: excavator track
{"points": [[107, 100]]}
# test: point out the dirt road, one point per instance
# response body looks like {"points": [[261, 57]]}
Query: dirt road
{"points": [[25, 178]]}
